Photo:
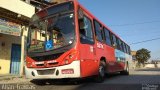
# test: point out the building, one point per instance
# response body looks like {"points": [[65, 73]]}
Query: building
{"points": [[14, 19], [133, 53]]}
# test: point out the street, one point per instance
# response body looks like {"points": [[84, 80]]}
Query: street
{"points": [[141, 79], [55, 39]]}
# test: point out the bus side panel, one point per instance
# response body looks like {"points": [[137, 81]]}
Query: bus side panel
{"points": [[110, 58], [88, 68], [120, 59], [129, 60], [88, 64]]}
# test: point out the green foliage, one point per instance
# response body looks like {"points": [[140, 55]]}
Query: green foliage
{"points": [[142, 55]]}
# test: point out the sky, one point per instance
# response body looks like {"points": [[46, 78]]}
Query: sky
{"points": [[133, 20]]}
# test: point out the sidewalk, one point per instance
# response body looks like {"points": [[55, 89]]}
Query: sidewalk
{"points": [[8, 77]]}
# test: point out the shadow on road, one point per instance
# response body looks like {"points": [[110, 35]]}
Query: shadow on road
{"points": [[112, 82], [70, 81]]}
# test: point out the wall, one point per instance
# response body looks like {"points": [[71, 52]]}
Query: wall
{"points": [[5, 51], [22, 8], [18, 6], [152, 65]]}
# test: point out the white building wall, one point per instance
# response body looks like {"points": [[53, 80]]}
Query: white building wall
{"points": [[18, 6], [5, 51]]}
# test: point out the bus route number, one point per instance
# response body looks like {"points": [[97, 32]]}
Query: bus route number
{"points": [[99, 45]]}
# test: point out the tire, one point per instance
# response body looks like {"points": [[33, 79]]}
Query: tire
{"points": [[126, 71], [101, 73]]}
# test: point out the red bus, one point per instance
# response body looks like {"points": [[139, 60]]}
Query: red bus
{"points": [[67, 41]]}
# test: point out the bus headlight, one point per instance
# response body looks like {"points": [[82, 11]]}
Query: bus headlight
{"points": [[66, 61], [70, 56], [29, 64]]}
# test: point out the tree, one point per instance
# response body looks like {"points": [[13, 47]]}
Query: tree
{"points": [[142, 56]]}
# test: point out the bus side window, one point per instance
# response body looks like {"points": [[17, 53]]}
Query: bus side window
{"points": [[103, 35], [107, 36], [98, 31], [85, 30], [118, 43], [114, 41], [128, 49], [81, 27], [124, 48]]}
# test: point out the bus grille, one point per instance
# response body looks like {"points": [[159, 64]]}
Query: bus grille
{"points": [[46, 72], [47, 57]]}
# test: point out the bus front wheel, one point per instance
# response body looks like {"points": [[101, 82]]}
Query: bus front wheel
{"points": [[101, 72]]}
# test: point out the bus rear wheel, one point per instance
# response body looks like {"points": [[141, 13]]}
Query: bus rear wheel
{"points": [[101, 73]]}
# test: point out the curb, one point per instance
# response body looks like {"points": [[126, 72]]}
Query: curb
{"points": [[10, 77]]}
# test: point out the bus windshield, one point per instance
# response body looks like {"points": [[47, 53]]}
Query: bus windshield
{"points": [[51, 33]]}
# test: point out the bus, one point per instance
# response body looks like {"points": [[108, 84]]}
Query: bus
{"points": [[66, 41]]}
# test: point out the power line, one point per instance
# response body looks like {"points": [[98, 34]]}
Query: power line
{"points": [[133, 24], [145, 41], [139, 34]]}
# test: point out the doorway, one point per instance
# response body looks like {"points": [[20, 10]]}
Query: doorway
{"points": [[15, 59]]}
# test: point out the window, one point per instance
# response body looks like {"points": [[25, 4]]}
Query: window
{"points": [[85, 27], [114, 41], [103, 35], [107, 34], [128, 49], [120, 45], [98, 31], [124, 48], [58, 34]]}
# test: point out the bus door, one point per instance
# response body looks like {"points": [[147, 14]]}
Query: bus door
{"points": [[87, 46]]}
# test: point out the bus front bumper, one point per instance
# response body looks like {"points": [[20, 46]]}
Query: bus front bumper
{"points": [[67, 71]]}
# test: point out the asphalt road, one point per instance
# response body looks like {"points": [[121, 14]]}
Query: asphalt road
{"points": [[142, 79]]}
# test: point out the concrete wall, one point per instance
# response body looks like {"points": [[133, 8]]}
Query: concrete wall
{"points": [[152, 65], [22, 8], [18, 6], [5, 51], [158, 65]]}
